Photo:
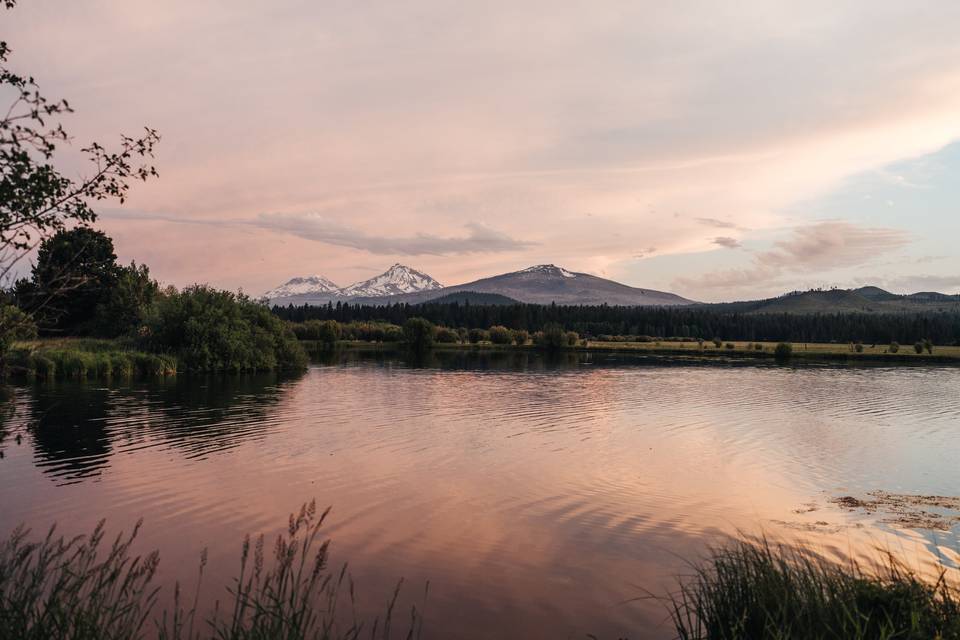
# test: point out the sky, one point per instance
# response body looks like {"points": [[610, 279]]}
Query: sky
{"points": [[717, 150]]}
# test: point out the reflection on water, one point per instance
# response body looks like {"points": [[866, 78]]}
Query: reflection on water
{"points": [[537, 494]]}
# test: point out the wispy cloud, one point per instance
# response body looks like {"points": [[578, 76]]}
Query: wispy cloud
{"points": [[311, 226], [717, 224], [813, 248], [727, 242]]}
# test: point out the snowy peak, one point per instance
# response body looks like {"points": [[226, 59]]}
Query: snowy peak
{"points": [[303, 285], [549, 270], [397, 279]]}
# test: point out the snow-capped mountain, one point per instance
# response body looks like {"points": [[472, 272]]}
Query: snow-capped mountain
{"points": [[396, 279], [304, 285]]}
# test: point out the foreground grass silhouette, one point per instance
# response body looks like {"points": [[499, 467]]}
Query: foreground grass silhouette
{"points": [[61, 588], [67, 589], [755, 589]]}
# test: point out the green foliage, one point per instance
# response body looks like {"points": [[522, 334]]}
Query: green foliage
{"points": [[756, 590], [126, 306], [783, 351], [717, 342], [476, 336], [14, 325], [551, 337], [894, 347], [572, 338], [500, 335], [730, 346], [75, 272], [928, 345], [446, 335], [858, 347], [521, 337], [418, 334], [918, 347], [36, 199], [212, 330]]}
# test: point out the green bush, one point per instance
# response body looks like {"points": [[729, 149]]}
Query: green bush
{"points": [[418, 334], [476, 336], [894, 347], [858, 347], [446, 335], [212, 330], [572, 338], [500, 335], [730, 346], [521, 337], [551, 337], [717, 342], [783, 351]]}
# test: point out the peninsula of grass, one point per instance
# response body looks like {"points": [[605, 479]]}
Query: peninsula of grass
{"points": [[84, 359]]}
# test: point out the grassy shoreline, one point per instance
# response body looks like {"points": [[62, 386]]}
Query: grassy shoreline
{"points": [[84, 359], [819, 352]]}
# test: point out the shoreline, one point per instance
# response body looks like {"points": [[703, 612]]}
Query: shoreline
{"points": [[804, 352]]}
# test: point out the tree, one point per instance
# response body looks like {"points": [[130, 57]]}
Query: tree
{"points": [[36, 199], [552, 336], [418, 334], [476, 336], [928, 345], [126, 306], [446, 335], [918, 347], [500, 335], [76, 272], [328, 332], [520, 337], [894, 347]]}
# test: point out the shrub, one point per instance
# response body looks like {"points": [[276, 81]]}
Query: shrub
{"points": [[918, 347], [446, 335], [551, 337], [894, 347], [572, 338], [212, 330], [730, 345], [477, 335], [717, 342], [418, 334], [758, 346], [928, 345], [500, 335], [783, 351], [520, 337], [858, 347]]}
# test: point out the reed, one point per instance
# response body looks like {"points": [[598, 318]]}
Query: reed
{"points": [[755, 589], [61, 588]]}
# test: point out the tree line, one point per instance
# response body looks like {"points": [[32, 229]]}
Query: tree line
{"points": [[641, 323]]}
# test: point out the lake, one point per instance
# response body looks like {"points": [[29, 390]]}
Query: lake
{"points": [[539, 496]]}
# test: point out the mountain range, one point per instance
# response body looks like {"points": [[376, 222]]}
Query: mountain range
{"points": [[395, 280], [547, 283], [540, 284]]}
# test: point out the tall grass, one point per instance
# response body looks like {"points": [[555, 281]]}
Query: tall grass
{"points": [[755, 589], [61, 588], [77, 363]]}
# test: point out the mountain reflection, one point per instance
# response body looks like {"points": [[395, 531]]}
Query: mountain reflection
{"points": [[77, 427]]}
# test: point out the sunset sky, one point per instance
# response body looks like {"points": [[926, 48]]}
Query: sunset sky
{"points": [[717, 150]]}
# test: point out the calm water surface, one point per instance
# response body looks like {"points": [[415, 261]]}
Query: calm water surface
{"points": [[539, 497]]}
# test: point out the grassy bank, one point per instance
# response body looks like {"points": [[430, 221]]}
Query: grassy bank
{"points": [[84, 359], [748, 350], [760, 590]]}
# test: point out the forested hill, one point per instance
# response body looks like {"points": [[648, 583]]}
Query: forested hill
{"points": [[862, 300], [702, 321]]}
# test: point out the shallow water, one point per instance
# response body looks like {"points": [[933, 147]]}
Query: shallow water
{"points": [[539, 497]]}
